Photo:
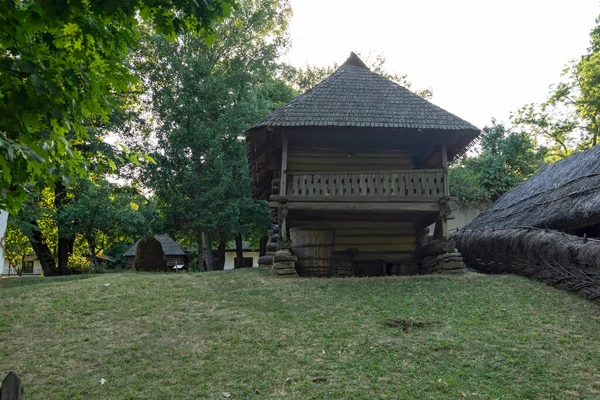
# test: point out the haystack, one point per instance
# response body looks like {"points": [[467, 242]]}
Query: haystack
{"points": [[149, 256]]}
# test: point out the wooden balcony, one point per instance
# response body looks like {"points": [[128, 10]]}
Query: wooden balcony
{"points": [[417, 189], [392, 184]]}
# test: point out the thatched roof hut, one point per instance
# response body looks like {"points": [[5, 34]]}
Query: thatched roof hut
{"points": [[563, 196], [547, 228]]}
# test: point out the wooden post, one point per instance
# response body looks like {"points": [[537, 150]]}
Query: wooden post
{"points": [[444, 220], [445, 167], [283, 182], [11, 387]]}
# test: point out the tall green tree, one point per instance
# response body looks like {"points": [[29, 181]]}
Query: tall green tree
{"points": [[203, 96], [105, 214], [62, 63], [569, 120], [506, 158]]}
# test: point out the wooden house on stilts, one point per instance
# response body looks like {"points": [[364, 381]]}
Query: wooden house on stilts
{"points": [[355, 169]]}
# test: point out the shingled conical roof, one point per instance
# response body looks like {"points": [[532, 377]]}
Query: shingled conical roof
{"points": [[353, 96]]}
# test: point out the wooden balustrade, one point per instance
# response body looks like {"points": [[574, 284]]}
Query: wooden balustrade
{"points": [[413, 183]]}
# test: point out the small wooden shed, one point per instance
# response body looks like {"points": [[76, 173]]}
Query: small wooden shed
{"points": [[174, 255], [359, 163]]}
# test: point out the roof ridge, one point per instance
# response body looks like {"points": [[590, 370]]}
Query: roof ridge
{"points": [[355, 60]]}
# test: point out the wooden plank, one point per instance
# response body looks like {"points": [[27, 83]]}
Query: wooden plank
{"points": [[309, 217], [444, 226], [391, 257], [378, 185], [377, 247], [439, 185], [362, 184], [382, 239], [371, 224], [446, 184], [395, 185], [365, 230], [408, 178], [359, 199], [401, 184], [296, 184], [11, 387], [379, 171], [445, 167], [392, 207], [318, 153], [333, 184], [284, 165], [350, 161], [387, 184]]}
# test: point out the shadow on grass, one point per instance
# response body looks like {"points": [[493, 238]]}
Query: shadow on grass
{"points": [[13, 282]]}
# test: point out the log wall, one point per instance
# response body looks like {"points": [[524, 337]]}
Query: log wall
{"points": [[392, 241], [331, 161]]}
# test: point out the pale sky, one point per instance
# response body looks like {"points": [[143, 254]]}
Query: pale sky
{"points": [[482, 58]]}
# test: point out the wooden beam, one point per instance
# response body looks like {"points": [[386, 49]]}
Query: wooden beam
{"points": [[445, 167], [361, 226], [391, 257], [444, 227], [361, 207], [357, 199], [283, 183], [382, 247], [378, 171], [284, 163]]}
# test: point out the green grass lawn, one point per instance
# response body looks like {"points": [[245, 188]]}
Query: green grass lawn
{"points": [[244, 335]]}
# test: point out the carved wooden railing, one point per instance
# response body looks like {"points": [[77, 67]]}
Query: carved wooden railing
{"points": [[407, 183]]}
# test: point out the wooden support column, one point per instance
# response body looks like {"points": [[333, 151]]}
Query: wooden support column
{"points": [[283, 184], [445, 167], [444, 219]]}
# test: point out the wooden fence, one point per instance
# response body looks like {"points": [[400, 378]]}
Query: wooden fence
{"points": [[11, 388]]}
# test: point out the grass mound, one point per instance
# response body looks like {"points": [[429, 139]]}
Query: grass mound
{"points": [[239, 334]]}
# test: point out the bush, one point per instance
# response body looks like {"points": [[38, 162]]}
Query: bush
{"points": [[79, 264]]}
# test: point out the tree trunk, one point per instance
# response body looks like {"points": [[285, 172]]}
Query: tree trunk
{"points": [[208, 251], [201, 252], [63, 255], [221, 253], [42, 251], [263, 246], [20, 271], [239, 251], [92, 248], [64, 242]]}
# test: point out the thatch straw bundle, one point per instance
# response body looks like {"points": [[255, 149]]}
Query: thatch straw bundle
{"points": [[149, 256], [569, 262], [560, 196]]}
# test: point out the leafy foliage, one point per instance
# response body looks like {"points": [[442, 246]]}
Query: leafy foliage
{"points": [[203, 96], [506, 158], [16, 246], [105, 215], [62, 64], [569, 120]]}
